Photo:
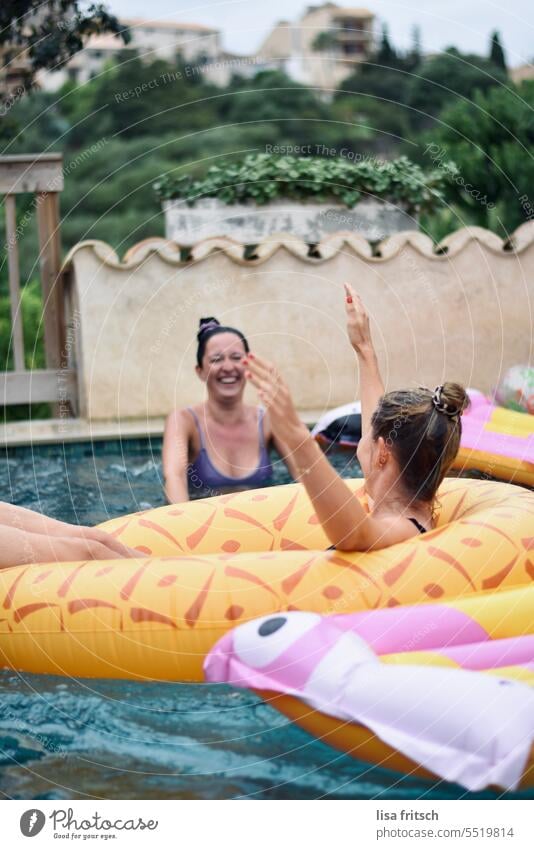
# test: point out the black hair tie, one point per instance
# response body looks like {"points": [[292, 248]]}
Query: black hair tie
{"points": [[441, 406]]}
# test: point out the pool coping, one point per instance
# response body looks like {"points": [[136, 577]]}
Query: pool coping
{"points": [[61, 431]]}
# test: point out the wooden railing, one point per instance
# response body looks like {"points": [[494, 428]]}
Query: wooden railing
{"points": [[42, 175]]}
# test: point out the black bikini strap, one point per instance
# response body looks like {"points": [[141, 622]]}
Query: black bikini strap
{"points": [[418, 525]]}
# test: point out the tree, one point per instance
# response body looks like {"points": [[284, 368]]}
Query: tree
{"points": [[49, 33], [386, 54], [496, 51], [489, 140], [324, 41], [447, 77], [271, 96], [415, 54]]}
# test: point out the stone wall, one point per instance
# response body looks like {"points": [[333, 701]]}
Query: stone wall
{"points": [[462, 310]]}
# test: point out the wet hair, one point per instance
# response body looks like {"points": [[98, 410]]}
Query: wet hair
{"points": [[422, 429], [208, 327]]}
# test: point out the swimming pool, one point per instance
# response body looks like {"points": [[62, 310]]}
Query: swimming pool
{"points": [[69, 739]]}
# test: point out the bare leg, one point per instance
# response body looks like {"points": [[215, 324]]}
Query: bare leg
{"points": [[30, 537]]}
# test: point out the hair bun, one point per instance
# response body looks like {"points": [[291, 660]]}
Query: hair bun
{"points": [[450, 399], [206, 324]]}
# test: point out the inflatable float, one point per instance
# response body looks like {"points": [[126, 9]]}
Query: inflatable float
{"points": [[341, 427], [216, 563], [495, 441], [516, 389], [423, 707]]}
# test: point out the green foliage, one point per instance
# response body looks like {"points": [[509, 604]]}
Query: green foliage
{"points": [[491, 141], [415, 54], [265, 177], [134, 97], [138, 123], [385, 82], [53, 30], [445, 78], [369, 123], [376, 82], [32, 307], [273, 97], [496, 51], [323, 41], [386, 54]]}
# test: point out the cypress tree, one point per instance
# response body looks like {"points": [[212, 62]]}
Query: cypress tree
{"points": [[386, 55], [415, 54], [496, 52]]}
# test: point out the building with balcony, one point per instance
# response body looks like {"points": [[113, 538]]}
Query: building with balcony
{"points": [[323, 46]]}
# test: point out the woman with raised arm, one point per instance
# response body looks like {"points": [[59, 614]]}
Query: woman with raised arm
{"points": [[29, 537], [221, 445], [409, 439]]}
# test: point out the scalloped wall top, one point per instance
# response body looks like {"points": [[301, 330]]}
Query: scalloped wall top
{"points": [[332, 244]]}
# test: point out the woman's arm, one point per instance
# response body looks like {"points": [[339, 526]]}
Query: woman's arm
{"points": [[343, 518], [359, 333], [281, 449], [287, 456], [175, 457]]}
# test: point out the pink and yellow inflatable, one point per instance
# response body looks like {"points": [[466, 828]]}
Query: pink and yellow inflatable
{"points": [[497, 441], [216, 563], [432, 689]]}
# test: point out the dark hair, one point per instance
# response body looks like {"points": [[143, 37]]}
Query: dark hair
{"points": [[208, 327], [423, 429]]}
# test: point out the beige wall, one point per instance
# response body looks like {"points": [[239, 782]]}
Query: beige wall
{"points": [[465, 314]]}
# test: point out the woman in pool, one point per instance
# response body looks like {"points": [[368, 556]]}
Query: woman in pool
{"points": [[409, 440], [29, 537], [222, 444]]}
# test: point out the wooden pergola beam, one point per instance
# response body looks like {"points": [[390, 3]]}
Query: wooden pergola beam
{"points": [[39, 173]]}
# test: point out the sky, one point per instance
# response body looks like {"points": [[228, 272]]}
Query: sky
{"points": [[465, 23]]}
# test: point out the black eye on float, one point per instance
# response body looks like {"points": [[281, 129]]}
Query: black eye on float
{"points": [[270, 626]]}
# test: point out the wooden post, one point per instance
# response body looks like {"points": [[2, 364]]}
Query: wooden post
{"points": [[17, 334], [47, 204]]}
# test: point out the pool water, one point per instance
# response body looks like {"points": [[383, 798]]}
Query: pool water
{"points": [[68, 739]]}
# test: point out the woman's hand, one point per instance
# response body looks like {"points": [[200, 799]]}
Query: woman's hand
{"points": [[118, 548], [358, 328], [273, 392], [113, 546]]}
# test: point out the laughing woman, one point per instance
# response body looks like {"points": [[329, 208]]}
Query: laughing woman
{"points": [[221, 445]]}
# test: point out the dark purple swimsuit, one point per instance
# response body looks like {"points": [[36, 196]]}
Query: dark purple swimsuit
{"points": [[205, 478]]}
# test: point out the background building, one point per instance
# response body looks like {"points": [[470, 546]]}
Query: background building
{"points": [[323, 45], [188, 43]]}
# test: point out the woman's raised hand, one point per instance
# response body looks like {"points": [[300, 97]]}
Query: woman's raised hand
{"points": [[275, 395], [358, 329]]}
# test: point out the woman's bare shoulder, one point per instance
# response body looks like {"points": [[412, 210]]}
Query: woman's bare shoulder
{"points": [[180, 420]]}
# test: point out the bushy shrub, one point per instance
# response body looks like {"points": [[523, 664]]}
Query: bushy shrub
{"points": [[260, 178]]}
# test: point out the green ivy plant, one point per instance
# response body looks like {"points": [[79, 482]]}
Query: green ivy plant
{"points": [[260, 178]]}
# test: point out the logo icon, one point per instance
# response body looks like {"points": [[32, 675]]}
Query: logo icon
{"points": [[32, 822]]}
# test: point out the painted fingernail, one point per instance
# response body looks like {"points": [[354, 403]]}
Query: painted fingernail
{"points": [[349, 299], [250, 356]]}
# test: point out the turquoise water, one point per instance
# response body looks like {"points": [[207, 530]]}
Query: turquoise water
{"points": [[69, 739]]}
